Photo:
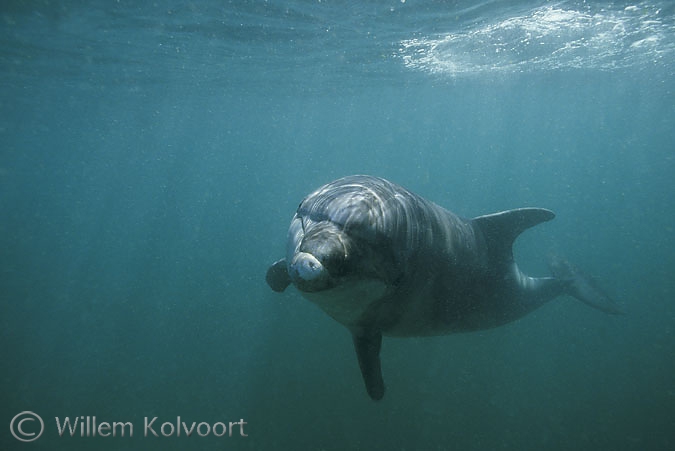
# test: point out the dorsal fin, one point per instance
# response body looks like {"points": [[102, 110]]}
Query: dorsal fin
{"points": [[501, 229]]}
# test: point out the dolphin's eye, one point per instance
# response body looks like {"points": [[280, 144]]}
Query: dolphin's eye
{"points": [[335, 264]]}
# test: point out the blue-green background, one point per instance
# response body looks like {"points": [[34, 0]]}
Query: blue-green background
{"points": [[151, 157]]}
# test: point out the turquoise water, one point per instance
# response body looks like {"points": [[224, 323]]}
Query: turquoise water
{"points": [[151, 158]]}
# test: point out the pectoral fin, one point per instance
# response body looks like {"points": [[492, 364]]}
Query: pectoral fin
{"points": [[367, 344], [277, 276]]}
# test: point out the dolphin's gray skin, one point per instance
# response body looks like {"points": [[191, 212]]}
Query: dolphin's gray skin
{"points": [[383, 261]]}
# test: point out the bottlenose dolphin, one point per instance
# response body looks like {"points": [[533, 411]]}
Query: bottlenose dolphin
{"points": [[383, 261]]}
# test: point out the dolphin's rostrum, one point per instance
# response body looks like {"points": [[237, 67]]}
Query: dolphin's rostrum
{"points": [[383, 261]]}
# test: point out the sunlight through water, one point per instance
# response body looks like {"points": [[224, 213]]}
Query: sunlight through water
{"points": [[547, 38]]}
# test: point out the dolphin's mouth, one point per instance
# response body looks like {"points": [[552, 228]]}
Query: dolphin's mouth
{"points": [[308, 274]]}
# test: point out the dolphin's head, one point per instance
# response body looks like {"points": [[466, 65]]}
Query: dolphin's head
{"points": [[319, 255], [332, 268]]}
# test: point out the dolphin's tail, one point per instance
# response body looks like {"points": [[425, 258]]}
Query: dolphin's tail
{"points": [[581, 286]]}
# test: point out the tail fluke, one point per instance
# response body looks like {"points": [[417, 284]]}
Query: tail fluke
{"points": [[581, 286]]}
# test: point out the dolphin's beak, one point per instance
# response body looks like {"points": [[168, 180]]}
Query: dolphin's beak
{"points": [[307, 272]]}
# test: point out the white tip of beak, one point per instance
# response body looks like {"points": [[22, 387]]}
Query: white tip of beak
{"points": [[307, 267]]}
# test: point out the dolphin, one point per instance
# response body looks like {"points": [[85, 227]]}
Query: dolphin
{"points": [[381, 260]]}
